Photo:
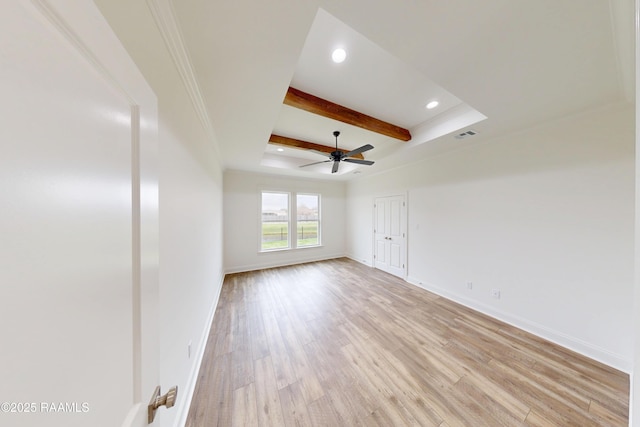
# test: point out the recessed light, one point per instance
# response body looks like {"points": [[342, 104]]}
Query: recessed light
{"points": [[339, 55], [280, 150], [432, 105]]}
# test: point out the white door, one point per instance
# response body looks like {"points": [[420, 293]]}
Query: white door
{"points": [[78, 220], [390, 234]]}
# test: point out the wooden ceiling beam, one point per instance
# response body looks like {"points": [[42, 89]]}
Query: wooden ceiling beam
{"points": [[298, 99], [297, 143]]}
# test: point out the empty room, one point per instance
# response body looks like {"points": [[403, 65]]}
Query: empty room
{"points": [[319, 213]]}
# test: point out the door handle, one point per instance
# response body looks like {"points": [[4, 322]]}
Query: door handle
{"points": [[168, 400]]}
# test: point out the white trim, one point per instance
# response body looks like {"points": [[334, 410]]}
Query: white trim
{"points": [[634, 392], [586, 349], [165, 18], [290, 228], [292, 221], [190, 387], [361, 261], [299, 248], [277, 263], [320, 228], [405, 230], [137, 415]]}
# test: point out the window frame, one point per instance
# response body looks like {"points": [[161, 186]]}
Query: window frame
{"points": [[319, 221], [292, 221], [288, 221]]}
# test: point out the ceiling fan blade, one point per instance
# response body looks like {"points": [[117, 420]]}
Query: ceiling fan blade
{"points": [[359, 150], [315, 163], [336, 164], [358, 161]]}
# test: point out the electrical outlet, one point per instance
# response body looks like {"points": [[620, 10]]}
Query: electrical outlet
{"points": [[495, 293], [469, 285]]}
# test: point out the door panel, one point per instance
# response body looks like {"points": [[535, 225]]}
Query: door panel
{"points": [[70, 222], [381, 253], [390, 234], [381, 224], [395, 260], [394, 217]]}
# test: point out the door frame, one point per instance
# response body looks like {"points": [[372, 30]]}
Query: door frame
{"points": [[82, 24], [405, 229]]}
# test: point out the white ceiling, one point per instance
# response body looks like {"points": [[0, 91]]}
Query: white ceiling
{"points": [[517, 64]]}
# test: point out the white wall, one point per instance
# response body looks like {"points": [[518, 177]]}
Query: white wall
{"points": [[191, 272], [242, 201], [546, 216]]}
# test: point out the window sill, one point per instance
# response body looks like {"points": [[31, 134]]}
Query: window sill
{"points": [[268, 251]]}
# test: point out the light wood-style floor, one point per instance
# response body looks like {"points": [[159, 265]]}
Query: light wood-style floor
{"points": [[336, 343]]}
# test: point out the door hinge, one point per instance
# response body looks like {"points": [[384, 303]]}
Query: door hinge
{"points": [[403, 235], [403, 204], [403, 266], [374, 257]]}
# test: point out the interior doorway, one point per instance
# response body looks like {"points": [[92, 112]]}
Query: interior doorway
{"points": [[390, 249]]}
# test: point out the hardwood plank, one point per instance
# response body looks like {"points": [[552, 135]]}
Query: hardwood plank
{"points": [[258, 342], [305, 101], [604, 414], [339, 343], [375, 382], [214, 391], [350, 404], [244, 406], [323, 413], [267, 402], [285, 374], [498, 409], [294, 407], [555, 407]]}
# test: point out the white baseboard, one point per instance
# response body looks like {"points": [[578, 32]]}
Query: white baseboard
{"points": [[361, 261], [185, 403], [586, 349], [278, 263]]}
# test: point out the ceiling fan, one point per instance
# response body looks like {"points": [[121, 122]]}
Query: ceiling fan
{"points": [[340, 156]]}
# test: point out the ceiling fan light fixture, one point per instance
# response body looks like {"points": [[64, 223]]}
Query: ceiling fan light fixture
{"points": [[432, 105], [339, 55], [338, 156]]}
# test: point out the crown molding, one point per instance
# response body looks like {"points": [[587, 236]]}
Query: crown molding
{"points": [[165, 18]]}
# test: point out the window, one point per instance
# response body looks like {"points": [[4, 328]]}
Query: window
{"points": [[278, 232], [275, 220], [308, 220]]}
